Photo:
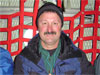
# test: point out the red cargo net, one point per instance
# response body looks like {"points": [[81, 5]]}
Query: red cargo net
{"points": [[95, 25]]}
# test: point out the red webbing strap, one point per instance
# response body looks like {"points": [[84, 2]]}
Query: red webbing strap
{"points": [[35, 14]]}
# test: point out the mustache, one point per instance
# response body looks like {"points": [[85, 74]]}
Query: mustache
{"points": [[50, 33]]}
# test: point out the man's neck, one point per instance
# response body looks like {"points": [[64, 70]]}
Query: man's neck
{"points": [[49, 46]]}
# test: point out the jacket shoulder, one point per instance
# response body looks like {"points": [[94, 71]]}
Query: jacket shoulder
{"points": [[6, 62], [97, 65]]}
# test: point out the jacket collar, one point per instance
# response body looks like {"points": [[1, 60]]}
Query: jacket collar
{"points": [[68, 49]]}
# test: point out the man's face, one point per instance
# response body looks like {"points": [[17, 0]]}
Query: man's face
{"points": [[49, 26]]}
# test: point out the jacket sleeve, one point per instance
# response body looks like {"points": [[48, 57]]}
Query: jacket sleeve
{"points": [[86, 66], [18, 68], [97, 65]]}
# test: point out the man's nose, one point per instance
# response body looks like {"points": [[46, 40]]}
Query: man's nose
{"points": [[49, 28]]}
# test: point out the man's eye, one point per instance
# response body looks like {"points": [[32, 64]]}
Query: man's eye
{"points": [[44, 23], [55, 23]]}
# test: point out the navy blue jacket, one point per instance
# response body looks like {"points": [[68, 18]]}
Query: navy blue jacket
{"points": [[71, 59], [6, 62]]}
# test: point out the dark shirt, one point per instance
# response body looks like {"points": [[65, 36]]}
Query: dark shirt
{"points": [[51, 51]]}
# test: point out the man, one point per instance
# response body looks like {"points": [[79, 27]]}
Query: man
{"points": [[51, 51], [6, 62]]}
